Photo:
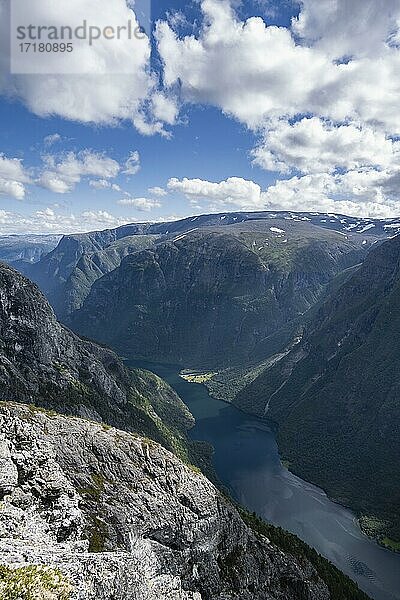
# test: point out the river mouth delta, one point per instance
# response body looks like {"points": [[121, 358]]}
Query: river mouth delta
{"points": [[246, 460]]}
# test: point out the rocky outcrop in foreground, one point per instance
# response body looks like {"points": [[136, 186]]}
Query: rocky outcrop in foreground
{"points": [[88, 511]]}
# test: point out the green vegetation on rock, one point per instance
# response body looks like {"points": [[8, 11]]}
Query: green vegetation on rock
{"points": [[340, 586], [390, 544], [34, 582]]}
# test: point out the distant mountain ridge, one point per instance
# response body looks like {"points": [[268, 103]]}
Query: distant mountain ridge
{"points": [[66, 282], [215, 295], [15, 249]]}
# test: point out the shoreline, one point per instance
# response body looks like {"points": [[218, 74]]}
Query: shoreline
{"points": [[199, 377], [198, 374]]}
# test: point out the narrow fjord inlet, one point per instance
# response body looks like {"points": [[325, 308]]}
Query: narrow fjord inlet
{"points": [[247, 461], [165, 487], [200, 300]]}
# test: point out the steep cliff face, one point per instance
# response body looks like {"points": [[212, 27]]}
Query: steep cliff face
{"points": [[336, 393], [212, 298], [43, 363], [66, 274], [117, 516], [71, 294]]}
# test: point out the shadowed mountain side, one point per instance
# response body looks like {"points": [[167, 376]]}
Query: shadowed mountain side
{"points": [[215, 297], [336, 393], [66, 274]]}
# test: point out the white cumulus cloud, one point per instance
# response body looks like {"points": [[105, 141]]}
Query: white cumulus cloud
{"points": [[257, 72], [103, 184], [312, 146], [158, 191], [51, 139], [142, 204], [339, 64], [15, 189], [234, 192], [63, 172], [339, 27], [368, 193], [103, 83], [13, 177], [132, 165]]}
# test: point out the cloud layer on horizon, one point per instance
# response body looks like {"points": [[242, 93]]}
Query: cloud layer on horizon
{"points": [[319, 98]]}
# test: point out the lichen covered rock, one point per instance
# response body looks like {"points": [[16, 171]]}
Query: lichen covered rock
{"points": [[118, 516]]}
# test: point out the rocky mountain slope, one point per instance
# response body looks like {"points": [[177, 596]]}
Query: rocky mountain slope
{"points": [[66, 274], [70, 295], [119, 517], [213, 297], [336, 394], [42, 362], [93, 512]]}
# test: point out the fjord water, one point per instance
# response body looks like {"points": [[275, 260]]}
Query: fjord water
{"points": [[247, 461]]}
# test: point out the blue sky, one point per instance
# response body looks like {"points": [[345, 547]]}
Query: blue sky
{"points": [[209, 146], [240, 106]]}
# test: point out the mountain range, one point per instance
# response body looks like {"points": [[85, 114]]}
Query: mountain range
{"points": [[236, 283], [67, 273], [229, 290], [99, 498], [21, 249]]}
